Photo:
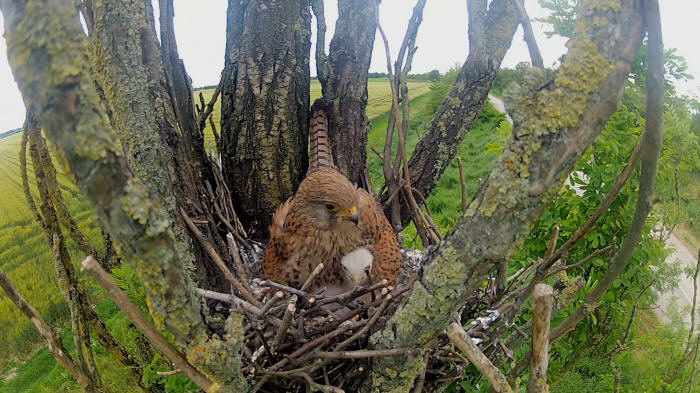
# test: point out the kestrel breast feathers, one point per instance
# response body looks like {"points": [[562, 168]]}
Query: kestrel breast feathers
{"points": [[329, 221]]}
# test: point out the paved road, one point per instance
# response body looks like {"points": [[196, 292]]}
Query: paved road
{"points": [[681, 297]]}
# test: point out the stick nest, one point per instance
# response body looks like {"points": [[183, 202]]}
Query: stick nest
{"points": [[296, 340]]}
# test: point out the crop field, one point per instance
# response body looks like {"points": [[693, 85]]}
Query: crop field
{"points": [[24, 254]]}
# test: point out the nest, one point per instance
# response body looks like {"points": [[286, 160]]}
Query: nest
{"points": [[297, 340]]}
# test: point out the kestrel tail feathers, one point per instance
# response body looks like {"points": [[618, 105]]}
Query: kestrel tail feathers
{"points": [[321, 154]]}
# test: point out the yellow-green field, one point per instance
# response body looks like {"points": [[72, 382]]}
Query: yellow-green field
{"points": [[24, 254]]}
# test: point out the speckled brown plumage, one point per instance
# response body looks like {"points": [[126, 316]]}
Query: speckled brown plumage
{"points": [[306, 231]]}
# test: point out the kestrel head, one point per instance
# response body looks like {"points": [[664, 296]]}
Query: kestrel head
{"points": [[326, 198]]}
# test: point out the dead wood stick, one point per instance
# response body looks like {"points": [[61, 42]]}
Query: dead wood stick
{"points": [[539, 361], [317, 270], [286, 322], [273, 300], [235, 254], [219, 261], [552, 241], [461, 340], [168, 373], [315, 343], [463, 185], [209, 108], [154, 336], [361, 354], [239, 304], [354, 293], [288, 289], [365, 328]]}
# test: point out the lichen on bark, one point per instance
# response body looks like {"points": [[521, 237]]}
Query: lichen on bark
{"points": [[545, 146]]}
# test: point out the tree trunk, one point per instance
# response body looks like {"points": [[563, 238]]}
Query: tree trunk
{"points": [[265, 105], [344, 85], [159, 134], [490, 35]]}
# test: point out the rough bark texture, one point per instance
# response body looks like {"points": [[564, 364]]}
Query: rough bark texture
{"points": [[490, 35], [48, 54], [345, 86], [265, 105], [159, 135], [552, 129]]}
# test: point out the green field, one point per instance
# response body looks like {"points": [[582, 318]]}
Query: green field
{"points": [[25, 256]]}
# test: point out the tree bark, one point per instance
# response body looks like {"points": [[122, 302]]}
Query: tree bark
{"points": [[48, 53], [265, 105], [552, 129], [344, 85], [490, 35], [160, 136]]}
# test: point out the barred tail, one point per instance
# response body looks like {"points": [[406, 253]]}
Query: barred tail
{"points": [[320, 153]]}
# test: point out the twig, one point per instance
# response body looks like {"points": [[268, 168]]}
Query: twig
{"points": [[286, 322], [553, 239], [288, 289], [539, 361], [693, 307], [168, 373], [317, 270], [461, 340], [53, 340], [583, 261], [463, 185], [239, 304], [361, 354], [155, 337], [241, 268], [207, 110], [365, 328], [218, 261]]}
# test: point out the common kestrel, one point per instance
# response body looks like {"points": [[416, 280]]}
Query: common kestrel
{"points": [[329, 221]]}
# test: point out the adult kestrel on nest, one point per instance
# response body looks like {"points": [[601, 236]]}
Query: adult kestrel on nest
{"points": [[329, 221]]}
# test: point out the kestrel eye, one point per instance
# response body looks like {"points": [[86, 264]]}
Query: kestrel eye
{"points": [[332, 208]]}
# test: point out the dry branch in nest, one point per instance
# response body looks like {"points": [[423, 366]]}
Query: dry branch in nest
{"points": [[296, 338]]}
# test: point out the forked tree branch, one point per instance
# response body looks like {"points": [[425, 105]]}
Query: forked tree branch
{"points": [[523, 182]]}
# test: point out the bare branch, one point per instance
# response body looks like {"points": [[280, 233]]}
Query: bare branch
{"points": [[461, 340], [463, 185], [150, 331], [535, 55], [53, 340]]}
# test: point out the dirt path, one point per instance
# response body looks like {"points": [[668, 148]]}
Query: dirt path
{"points": [[680, 298]]}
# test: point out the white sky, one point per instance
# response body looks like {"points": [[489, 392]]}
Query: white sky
{"points": [[200, 28]]}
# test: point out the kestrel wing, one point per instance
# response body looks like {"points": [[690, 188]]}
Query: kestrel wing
{"points": [[387, 254]]}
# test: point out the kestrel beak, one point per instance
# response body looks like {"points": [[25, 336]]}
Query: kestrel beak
{"points": [[351, 214]]}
